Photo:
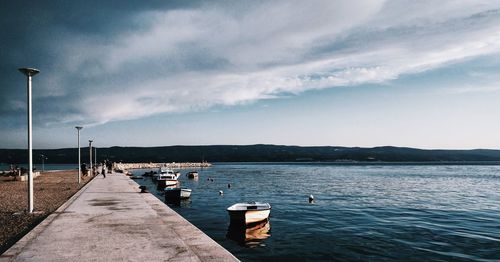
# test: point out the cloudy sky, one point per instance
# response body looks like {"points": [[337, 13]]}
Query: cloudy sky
{"points": [[349, 73]]}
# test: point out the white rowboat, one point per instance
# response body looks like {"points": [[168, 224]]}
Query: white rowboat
{"points": [[248, 213]]}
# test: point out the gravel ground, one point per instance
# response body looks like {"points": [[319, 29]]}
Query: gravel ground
{"points": [[51, 190]]}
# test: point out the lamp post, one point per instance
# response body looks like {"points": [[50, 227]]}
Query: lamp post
{"points": [[78, 128], [30, 72], [90, 149], [43, 162], [95, 156]]}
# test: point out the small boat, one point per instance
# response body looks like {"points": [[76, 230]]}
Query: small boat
{"points": [[177, 193], [249, 213], [192, 175]]}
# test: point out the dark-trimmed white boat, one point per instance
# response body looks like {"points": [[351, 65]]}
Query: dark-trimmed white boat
{"points": [[192, 175], [177, 193], [166, 177], [249, 213]]}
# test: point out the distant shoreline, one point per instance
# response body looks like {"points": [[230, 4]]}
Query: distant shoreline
{"points": [[256, 153]]}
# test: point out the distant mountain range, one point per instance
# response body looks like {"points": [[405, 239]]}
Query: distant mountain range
{"points": [[252, 153]]}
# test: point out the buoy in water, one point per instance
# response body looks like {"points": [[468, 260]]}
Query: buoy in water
{"points": [[228, 185], [311, 198], [220, 192]]}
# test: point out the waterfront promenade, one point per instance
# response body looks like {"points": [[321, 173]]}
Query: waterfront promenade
{"points": [[109, 220]]}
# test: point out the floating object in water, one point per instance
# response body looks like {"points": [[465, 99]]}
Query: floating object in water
{"points": [[177, 193], [248, 213], [228, 185], [192, 175], [311, 198], [220, 192]]}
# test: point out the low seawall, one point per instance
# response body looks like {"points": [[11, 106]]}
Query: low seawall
{"points": [[125, 166]]}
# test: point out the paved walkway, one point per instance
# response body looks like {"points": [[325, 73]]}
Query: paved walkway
{"points": [[109, 220]]}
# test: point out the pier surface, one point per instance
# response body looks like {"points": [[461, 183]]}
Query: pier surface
{"points": [[109, 220]]}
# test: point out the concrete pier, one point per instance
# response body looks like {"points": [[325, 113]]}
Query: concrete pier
{"points": [[109, 220]]}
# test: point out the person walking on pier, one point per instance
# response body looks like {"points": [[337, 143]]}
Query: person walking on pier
{"points": [[104, 170]]}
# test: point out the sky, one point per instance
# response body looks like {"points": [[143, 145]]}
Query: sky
{"points": [[336, 73]]}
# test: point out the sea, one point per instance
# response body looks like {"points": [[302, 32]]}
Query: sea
{"points": [[360, 212]]}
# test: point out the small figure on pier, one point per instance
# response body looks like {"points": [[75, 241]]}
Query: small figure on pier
{"points": [[104, 171], [83, 167]]}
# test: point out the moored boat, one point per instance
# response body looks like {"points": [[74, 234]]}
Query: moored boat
{"points": [[185, 193], [248, 213], [192, 174], [166, 177], [177, 193]]}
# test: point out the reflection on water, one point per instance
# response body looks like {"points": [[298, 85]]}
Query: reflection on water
{"points": [[251, 235], [176, 202]]}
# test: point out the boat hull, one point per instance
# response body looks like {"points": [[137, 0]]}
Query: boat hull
{"points": [[166, 183], [192, 175], [248, 216], [249, 213], [172, 194], [185, 193]]}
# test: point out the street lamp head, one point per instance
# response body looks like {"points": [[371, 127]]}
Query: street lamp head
{"points": [[78, 127], [29, 71], [90, 141]]}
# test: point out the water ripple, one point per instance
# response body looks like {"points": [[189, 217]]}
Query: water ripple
{"points": [[361, 212]]}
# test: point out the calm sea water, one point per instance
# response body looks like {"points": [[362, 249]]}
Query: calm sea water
{"points": [[360, 213]]}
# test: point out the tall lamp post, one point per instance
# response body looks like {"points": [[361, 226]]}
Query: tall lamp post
{"points": [[43, 162], [30, 72], [78, 128], [90, 149]]}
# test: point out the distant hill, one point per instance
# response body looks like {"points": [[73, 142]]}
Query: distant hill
{"points": [[252, 153]]}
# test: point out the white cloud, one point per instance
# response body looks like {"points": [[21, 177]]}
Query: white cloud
{"points": [[193, 59]]}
